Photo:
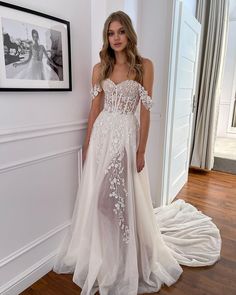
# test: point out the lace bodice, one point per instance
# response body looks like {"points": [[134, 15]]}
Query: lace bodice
{"points": [[122, 97], [37, 54]]}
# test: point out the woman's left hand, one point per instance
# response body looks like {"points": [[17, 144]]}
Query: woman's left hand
{"points": [[140, 162]]}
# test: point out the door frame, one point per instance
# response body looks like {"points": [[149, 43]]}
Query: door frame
{"points": [[170, 95]]}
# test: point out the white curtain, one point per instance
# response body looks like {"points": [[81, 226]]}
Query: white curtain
{"points": [[213, 16]]}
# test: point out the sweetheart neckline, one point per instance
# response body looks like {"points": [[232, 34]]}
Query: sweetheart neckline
{"points": [[116, 84]]}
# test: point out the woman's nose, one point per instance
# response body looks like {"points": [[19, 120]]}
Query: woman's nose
{"points": [[117, 36]]}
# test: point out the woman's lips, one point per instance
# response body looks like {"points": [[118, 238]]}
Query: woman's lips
{"points": [[117, 44]]}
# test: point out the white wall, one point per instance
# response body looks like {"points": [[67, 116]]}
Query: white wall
{"points": [[40, 136]]}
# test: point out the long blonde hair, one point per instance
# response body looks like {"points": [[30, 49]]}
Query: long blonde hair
{"points": [[107, 55]]}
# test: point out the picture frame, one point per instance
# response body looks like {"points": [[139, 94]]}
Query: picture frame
{"points": [[35, 50]]}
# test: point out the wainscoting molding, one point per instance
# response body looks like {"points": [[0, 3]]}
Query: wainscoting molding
{"points": [[35, 160], [24, 265], [28, 132], [28, 277], [33, 244], [37, 270], [50, 240]]}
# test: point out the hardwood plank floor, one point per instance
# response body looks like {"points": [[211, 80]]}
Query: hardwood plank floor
{"points": [[214, 193]]}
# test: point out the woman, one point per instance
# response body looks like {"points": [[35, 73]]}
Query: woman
{"points": [[114, 244], [35, 67]]}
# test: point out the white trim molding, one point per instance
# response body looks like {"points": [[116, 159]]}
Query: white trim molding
{"points": [[35, 160], [37, 270], [28, 132], [33, 244]]}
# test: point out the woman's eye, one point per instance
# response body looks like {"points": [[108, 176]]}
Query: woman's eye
{"points": [[112, 33]]}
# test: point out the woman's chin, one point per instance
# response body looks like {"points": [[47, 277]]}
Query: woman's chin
{"points": [[119, 49]]}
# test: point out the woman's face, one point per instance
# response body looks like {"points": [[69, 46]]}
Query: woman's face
{"points": [[35, 36], [117, 36]]}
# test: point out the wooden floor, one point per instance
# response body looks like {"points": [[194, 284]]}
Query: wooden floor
{"points": [[214, 193]]}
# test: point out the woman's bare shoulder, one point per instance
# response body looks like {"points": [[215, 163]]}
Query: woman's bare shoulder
{"points": [[147, 63], [96, 72], [97, 67], [148, 68], [148, 75]]}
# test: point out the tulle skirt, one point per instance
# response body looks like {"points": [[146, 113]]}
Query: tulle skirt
{"points": [[117, 243], [33, 70]]}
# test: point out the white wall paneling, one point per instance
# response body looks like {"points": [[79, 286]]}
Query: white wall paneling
{"points": [[38, 187]]}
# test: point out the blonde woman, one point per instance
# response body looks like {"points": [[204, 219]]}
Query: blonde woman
{"points": [[116, 244]]}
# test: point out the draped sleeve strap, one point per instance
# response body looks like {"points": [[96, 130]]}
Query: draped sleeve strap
{"points": [[145, 98], [95, 89]]}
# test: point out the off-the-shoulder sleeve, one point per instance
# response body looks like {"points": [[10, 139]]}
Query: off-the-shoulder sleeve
{"points": [[95, 90], [145, 98]]}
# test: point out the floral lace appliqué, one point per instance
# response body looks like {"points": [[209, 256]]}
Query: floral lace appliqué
{"points": [[145, 98], [118, 191], [95, 90]]}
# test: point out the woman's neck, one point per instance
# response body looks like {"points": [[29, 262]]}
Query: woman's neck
{"points": [[120, 58]]}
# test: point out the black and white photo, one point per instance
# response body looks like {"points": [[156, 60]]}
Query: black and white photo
{"points": [[34, 51]]}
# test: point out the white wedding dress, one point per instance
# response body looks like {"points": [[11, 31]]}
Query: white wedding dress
{"points": [[117, 243]]}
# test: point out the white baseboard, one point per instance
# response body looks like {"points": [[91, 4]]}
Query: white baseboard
{"points": [[29, 276], [33, 273]]}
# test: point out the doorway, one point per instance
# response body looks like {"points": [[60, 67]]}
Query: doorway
{"points": [[225, 143]]}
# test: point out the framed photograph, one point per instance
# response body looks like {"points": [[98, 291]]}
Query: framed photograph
{"points": [[34, 50]]}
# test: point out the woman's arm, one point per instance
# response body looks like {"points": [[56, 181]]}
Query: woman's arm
{"points": [[145, 113], [95, 106]]}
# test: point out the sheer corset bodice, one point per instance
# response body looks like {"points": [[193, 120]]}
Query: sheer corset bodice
{"points": [[122, 97], [37, 54]]}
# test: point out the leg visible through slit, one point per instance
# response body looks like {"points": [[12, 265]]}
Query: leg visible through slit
{"points": [[113, 195]]}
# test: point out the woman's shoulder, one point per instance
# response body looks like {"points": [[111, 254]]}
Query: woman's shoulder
{"points": [[97, 67], [148, 67], [96, 72], [147, 62]]}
